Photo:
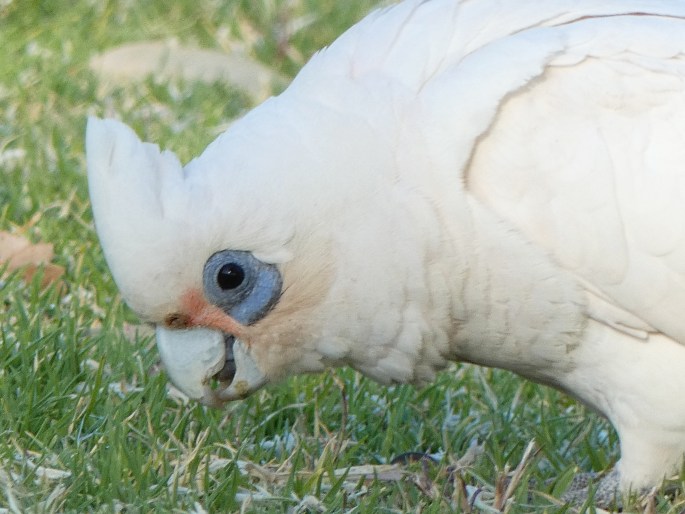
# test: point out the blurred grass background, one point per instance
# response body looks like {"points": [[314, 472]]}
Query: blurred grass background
{"points": [[87, 422]]}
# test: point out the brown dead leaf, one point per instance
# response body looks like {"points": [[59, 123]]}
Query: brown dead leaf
{"points": [[17, 252]]}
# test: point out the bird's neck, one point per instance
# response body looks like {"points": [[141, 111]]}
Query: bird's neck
{"points": [[512, 308], [480, 294]]}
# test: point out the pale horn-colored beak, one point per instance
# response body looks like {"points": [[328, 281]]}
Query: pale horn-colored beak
{"points": [[193, 358]]}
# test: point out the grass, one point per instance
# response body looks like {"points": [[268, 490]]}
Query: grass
{"points": [[88, 423]]}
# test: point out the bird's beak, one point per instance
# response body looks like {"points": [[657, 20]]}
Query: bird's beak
{"points": [[194, 358]]}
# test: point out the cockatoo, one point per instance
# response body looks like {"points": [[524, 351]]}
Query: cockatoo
{"points": [[486, 181]]}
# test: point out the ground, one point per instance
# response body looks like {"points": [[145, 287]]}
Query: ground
{"points": [[88, 420]]}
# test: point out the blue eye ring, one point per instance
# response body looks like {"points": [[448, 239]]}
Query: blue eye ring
{"points": [[241, 285]]}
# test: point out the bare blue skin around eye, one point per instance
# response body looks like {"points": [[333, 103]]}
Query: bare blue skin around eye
{"points": [[249, 302]]}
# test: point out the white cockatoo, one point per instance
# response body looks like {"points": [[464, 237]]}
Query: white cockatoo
{"points": [[499, 182]]}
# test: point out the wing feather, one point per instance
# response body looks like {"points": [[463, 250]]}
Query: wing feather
{"points": [[565, 117], [588, 162]]}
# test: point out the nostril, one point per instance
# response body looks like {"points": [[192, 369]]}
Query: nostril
{"points": [[177, 320]]}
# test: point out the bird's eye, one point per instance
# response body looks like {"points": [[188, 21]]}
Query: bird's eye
{"points": [[241, 285], [230, 276]]}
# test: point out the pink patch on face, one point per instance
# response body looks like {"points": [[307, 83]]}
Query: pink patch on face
{"points": [[201, 313]]}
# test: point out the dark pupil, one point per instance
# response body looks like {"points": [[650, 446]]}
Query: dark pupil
{"points": [[230, 276]]}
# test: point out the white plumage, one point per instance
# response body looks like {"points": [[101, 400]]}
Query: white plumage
{"points": [[499, 182]]}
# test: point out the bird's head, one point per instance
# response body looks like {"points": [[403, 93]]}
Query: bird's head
{"points": [[252, 268]]}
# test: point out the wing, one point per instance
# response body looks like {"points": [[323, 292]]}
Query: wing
{"points": [[566, 118], [588, 160]]}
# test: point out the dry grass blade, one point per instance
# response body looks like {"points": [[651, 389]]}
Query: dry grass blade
{"points": [[528, 457], [649, 502]]}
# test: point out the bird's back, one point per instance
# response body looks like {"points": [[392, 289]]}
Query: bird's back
{"points": [[564, 118]]}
